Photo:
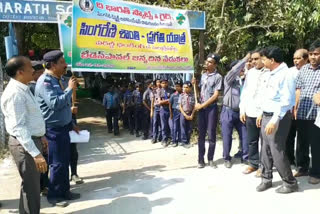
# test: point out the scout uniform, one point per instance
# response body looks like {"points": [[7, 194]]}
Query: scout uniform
{"points": [[187, 102], [208, 117], [165, 94], [138, 108], [111, 103], [156, 135], [174, 103], [147, 124], [129, 109]]}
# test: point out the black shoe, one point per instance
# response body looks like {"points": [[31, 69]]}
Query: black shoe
{"points": [[137, 134], [264, 186], [153, 141], [201, 165], [144, 138], [212, 164], [285, 189], [238, 154], [72, 196], [227, 164], [174, 144], [109, 131], [58, 202]]}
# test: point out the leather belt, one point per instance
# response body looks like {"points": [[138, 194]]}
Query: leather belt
{"points": [[268, 114]]}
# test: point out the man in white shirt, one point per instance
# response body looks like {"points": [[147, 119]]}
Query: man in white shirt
{"points": [[26, 127], [249, 111], [300, 58]]}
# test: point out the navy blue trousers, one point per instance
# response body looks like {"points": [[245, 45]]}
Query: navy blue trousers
{"points": [[207, 123], [58, 161], [186, 129], [156, 135], [176, 131], [138, 117], [112, 116], [129, 111], [164, 117], [231, 119], [147, 124]]}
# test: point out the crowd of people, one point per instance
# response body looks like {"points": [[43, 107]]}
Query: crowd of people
{"points": [[264, 100]]}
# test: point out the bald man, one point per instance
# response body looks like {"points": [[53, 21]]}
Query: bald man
{"points": [[300, 58]]}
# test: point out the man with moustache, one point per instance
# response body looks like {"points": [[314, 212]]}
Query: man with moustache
{"points": [[300, 58], [55, 103], [308, 84], [274, 120], [251, 97]]}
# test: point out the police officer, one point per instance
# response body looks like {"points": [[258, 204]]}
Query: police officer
{"points": [[210, 85], [175, 114], [111, 103], [138, 107], [128, 107], [230, 117], [186, 105], [147, 124], [165, 94], [55, 103]]}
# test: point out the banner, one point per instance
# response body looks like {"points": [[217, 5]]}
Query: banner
{"points": [[65, 27], [32, 11], [118, 36]]}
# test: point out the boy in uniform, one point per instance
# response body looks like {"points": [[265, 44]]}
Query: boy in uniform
{"points": [[175, 113]]}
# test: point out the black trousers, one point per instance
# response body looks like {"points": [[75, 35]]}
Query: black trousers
{"points": [[273, 151], [253, 134], [30, 185], [308, 135], [73, 159], [290, 144], [112, 116], [129, 112], [147, 124]]}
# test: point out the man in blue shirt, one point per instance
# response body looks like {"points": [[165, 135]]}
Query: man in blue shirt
{"points": [[274, 120], [55, 104], [128, 107], [111, 103]]}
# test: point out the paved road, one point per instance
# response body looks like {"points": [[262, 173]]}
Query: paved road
{"points": [[125, 175]]}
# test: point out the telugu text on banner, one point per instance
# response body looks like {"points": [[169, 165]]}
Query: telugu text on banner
{"points": [[118, 36]]}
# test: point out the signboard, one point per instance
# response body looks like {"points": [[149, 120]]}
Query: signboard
{"points": [[32, 11], [46, 12], [64, 26], [118, 36]]}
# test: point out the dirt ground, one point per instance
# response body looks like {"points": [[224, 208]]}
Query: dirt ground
{"points": [[126, 175]]}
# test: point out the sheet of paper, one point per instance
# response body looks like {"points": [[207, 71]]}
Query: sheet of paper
{"points": [[82, 137]]}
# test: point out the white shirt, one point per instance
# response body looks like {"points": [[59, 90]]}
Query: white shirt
{"points": [[252, 94], [293, 73], [23, 116]]}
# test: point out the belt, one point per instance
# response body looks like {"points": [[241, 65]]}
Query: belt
{"points": [[268, 114]]}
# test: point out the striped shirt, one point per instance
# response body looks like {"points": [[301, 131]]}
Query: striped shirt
{"points": [[23, 117]]}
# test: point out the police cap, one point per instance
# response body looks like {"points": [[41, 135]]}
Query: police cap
{"points": [[178, 82], [52, 56]]}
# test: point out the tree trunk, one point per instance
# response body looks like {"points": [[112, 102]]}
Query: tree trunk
{"points": [[20, 36]]}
